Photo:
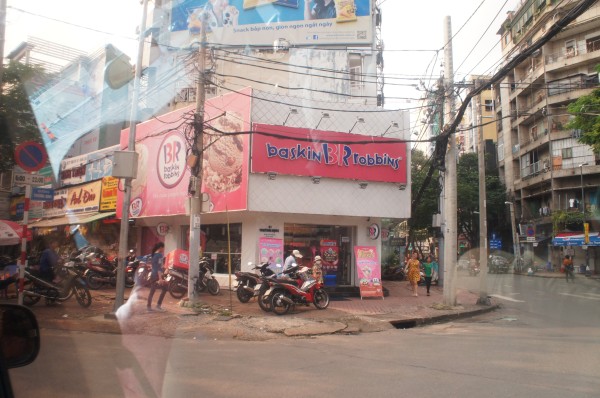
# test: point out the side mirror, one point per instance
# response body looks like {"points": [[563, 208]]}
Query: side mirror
{"points": [[19, 335]]}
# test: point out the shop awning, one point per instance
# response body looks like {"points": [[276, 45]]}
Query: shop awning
{"points": [[575, 239], [71, 219]]}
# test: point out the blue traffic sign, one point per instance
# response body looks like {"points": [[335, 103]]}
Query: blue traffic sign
{"points": [[495, 244]]}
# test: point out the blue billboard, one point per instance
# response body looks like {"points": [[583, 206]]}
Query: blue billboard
{"points": [[261, 22]]}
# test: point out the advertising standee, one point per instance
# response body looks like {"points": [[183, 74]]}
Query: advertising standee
{"points": [[368, 269]]}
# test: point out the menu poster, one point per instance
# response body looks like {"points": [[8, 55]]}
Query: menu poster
{"points": [[368, 269], [270, 251]]}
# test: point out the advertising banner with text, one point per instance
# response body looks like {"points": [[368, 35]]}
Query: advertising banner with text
{"points": [[305, 152], [161, 186], [261, 22], [270, 250], [368, 269]]}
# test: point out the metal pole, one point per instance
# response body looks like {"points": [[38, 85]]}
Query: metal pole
{"points": [[483, 267], [450, 235], [196, 178], [514, 229], [124, 233], [2, 40], [23, 261]]}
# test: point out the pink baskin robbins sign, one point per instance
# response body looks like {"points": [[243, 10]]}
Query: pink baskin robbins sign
{"points": [[161, 186], [305, 152]]}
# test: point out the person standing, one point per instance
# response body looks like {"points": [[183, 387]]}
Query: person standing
{"points": [[428, 269], [413, 271], [317, 269], [49, 261], [156, 278], [568, 265], [291, 260]]}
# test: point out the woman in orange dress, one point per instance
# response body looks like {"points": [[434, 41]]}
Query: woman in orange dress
{"points": [[413, 267]]}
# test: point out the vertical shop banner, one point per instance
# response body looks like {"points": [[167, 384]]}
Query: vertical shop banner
{"points": [[270, 250], [368, 269], [161, 186], [108, 200], [330, 255]]}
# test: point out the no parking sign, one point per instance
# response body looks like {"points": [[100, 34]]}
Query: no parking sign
{"points": [[31, 156]]}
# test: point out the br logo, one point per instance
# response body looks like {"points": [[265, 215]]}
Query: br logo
{"points": [[171, 162]]}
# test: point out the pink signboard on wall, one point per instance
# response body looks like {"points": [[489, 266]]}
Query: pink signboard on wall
{"points": [[306, 152], [161, 186]]}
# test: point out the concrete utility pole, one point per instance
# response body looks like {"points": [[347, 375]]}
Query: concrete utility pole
{"points": [[450, 208], [196, 178], [2, 40], [124, 233], [483, 267]]}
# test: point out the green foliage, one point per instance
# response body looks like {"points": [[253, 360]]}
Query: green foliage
{"points": [[586, 112], [467, 172], [17, 122], [427, 206], [561, 220]]}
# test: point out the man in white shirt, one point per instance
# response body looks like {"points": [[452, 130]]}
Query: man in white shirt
{"points": [[291, 260]]}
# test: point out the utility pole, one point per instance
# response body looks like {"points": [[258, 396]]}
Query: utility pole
{"points": [[483, 267], [2, 40], [196, 178], [124, 232], [450, 230]]}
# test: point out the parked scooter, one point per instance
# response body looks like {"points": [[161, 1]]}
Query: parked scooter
{"points": [[143, 271], [102, 271], [285, 295], [71, 283], [249, 283], [178, 280]]}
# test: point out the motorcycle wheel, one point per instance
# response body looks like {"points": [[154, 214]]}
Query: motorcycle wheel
{"points": [[264, 302], [30, 300], [321, 299], [82, 295], [279, 306], [213, 287], [93, 281], [242, 294], [129, 280], [175, 290]]}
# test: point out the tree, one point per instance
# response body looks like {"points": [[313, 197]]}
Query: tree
{"points": [[468, 199], [586, 111], [17, 121], [428, 205]]}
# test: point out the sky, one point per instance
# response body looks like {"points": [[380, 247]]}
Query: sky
{"points": [[407, 26]]}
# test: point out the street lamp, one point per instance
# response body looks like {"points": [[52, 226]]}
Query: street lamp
{"points": [[514, 228], [582, 200]]}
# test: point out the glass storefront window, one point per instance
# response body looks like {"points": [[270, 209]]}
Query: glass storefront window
{"points": [[216, 243], [332, 242]]}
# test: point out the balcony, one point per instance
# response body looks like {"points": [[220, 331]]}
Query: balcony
{"points": [[567, 57]]}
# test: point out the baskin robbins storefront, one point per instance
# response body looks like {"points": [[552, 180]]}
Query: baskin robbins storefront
{"points": [[270, 189]]}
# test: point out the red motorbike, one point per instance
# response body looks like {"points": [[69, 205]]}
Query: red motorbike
{"points": [[286, 295]]}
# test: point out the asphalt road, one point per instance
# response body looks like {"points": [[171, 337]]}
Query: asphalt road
{"points": [[544, 342]]}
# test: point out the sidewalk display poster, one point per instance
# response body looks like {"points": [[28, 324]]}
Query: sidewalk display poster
{"points": [[368, 269], [270, 250]]}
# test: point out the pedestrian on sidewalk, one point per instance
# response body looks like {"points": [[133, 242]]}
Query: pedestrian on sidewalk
{"points": [[568, 266], [413, 270], [428, 270], [156, 278]]}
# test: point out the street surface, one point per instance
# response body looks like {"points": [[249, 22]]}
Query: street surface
{"points": [[543, 342]]}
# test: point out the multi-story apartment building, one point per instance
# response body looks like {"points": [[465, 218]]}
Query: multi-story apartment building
{"points": [[544, 167]]}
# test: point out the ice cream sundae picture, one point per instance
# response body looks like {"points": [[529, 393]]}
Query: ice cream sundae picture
{"points": [[223, 157]]}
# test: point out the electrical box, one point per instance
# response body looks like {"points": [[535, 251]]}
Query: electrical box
{"points": [[125, 164]]}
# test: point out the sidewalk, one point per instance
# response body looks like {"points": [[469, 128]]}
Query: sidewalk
{"points": [[224, 317]]}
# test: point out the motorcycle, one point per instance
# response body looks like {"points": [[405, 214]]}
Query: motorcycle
{"points": [[71, 283], [393, 273], [474, 270], [285, 295], [102, 271], [249, 283], [143, 271], [268, 280], [177, 278]]}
